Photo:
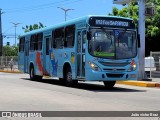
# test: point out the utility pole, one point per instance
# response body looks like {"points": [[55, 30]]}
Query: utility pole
{"points": [[65, 11], [141, 30], [15, 25], [1, 37]]}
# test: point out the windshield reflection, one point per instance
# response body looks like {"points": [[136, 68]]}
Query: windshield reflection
{"points": [[115, 44]]}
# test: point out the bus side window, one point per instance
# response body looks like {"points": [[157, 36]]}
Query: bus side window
{"points": [[33, 42], [59, 37], [21, 44], [53, 40], [69, 36], [79, 42], [84, 37], [40, 38], [47, 46]]}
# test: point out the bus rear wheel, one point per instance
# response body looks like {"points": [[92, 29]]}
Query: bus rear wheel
{"points": [[31, 73], [68, 78], [62, 81], [33, 76], [109, 84]]}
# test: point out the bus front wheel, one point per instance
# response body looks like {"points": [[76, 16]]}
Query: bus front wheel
{"points": [[109, 84], [68, 78]]}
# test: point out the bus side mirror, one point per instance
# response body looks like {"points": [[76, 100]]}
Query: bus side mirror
{"points": [[139, 42], [88, 36]]}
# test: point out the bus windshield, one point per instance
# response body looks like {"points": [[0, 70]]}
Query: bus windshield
{"points": [[114, 44]]}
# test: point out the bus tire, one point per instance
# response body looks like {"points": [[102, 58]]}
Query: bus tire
{"points": [[68, 78], [109, 84], [31, 73], [62, 81], [33, 76], [38, 77]]}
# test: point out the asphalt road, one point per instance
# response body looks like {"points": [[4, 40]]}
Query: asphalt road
{"points": [[18, 93]]}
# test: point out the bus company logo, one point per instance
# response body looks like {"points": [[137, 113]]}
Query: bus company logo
{"points": [[114, 69], [6, 114]]}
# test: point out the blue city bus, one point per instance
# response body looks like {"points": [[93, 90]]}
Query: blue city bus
{"points": [[91, 48]]}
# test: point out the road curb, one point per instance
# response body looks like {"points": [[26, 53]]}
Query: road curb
{"points": [[139, 83], [157, 85], [133, 83], [5, 71]]}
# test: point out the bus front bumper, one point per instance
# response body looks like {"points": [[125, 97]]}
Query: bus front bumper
{"points": [[110, 76]]}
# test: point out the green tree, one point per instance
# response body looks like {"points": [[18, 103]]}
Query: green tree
{"points": [[28, 28], [152, 24], [130, 11], [10, 50]]}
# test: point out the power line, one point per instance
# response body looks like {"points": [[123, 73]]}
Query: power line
{"points": [[7, 30], [37, 6], [41, 7], [70, 16], [10, 35]]}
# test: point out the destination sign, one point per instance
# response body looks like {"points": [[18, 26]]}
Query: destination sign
{"points": [[111, 22]]}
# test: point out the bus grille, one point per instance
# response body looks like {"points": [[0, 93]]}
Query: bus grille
{"points": [[114, 75], [112, 69], [114, 64]]}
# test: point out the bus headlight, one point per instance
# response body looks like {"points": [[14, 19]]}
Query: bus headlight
{"points": [[133, 66], [94, 67]]}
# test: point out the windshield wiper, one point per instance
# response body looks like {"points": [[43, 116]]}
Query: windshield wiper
{"points": [[107, 34]]}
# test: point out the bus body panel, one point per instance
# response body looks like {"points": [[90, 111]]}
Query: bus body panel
{"points": [[56, 61], [36, 59], [51, 61], [59, 58], [21, 61], [111, 73], [46, 46], [38, 64], [26, 56]]}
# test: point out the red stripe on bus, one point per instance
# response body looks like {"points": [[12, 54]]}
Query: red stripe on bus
{"points": [[39, 63]]}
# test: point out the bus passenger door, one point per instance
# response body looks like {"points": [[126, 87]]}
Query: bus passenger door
{"points": [[81, 53], [26, 66], [46, 56]]}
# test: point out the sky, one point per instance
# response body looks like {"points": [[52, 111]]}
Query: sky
{"points": [[29, 12]]}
